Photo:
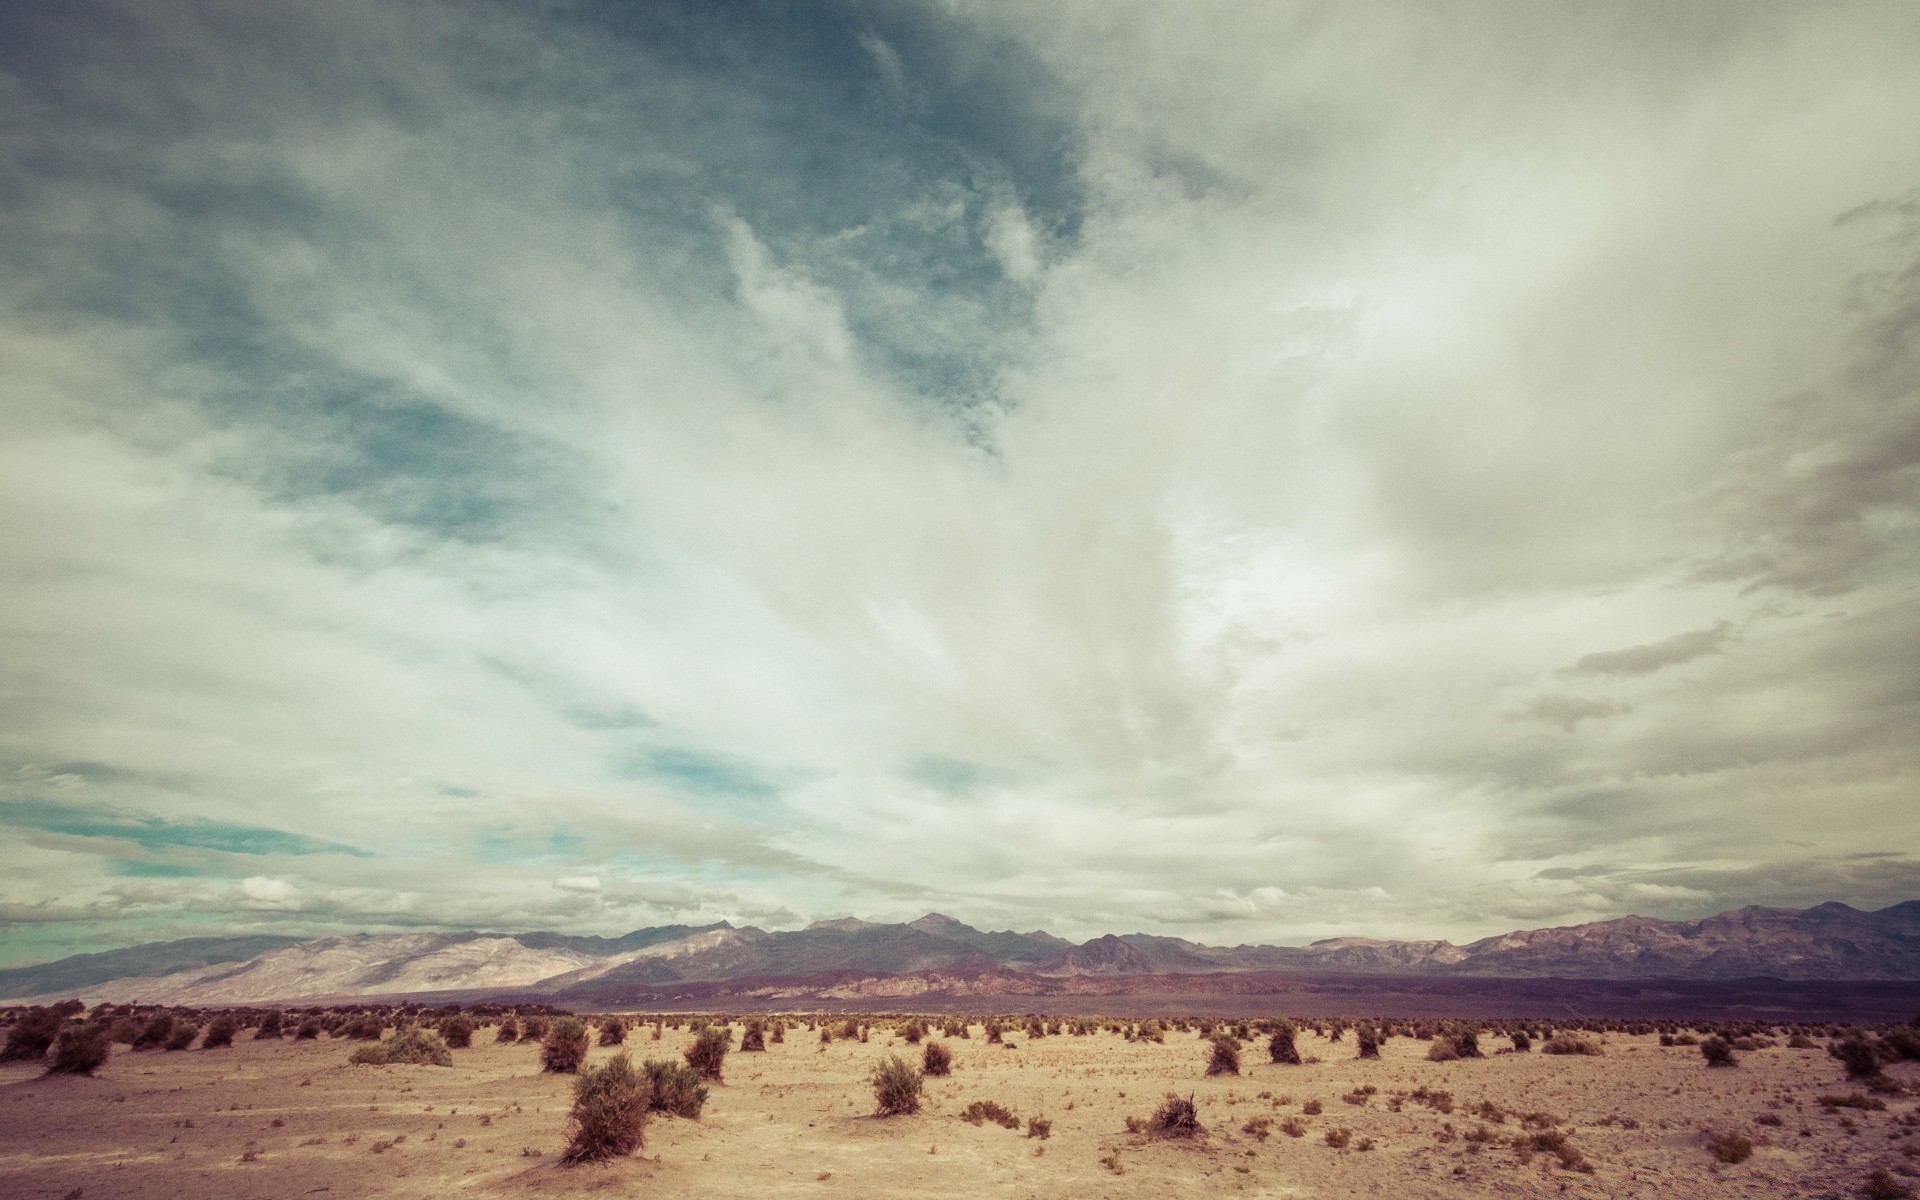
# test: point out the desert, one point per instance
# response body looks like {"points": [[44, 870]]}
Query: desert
{"points": [[1033, 1106]]}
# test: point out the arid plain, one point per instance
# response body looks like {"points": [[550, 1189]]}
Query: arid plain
{"points": [[287, 1118]]}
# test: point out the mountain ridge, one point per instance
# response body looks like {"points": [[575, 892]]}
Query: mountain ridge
{"points": [[1826, 941]]}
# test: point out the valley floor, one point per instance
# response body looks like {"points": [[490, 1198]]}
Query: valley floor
{"points": [[290, 1119]]}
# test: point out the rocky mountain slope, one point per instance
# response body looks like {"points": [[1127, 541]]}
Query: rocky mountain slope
{"points": [[1829, 941]]}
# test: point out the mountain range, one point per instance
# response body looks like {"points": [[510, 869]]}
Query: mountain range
{"points": [[939, 954]]}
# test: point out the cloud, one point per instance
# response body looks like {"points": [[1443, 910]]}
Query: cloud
{"points": [[578, 883], [1668, 652]]}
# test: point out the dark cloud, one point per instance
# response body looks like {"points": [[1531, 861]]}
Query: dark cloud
{"points": [[1667, 652]]}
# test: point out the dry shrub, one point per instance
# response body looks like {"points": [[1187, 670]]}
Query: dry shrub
{"points": [[676, 1089], [565, 1046], [80, 1050], [534, 1029], [913, 1033], [755, 1038], [1881, 1185], [609, 1118], [410, 1046], [1175, 1118], [182, 1035], [124, 1030], [1554, 1142], [896, 1088], [457, 1032], [936, 1059], [1718, 1052], [708, 1052], [308, 1031], [1466, 1042], [1568, 1043], [270, 1026], [1521, 1042], [1338, 1138], [778, 1035], [155, 1032], [31, 1035], [1039, 1127], [1729, 1147], [1281, 1049], [1369, 1040], [1311, 1108], [509, 1030], [989, 1110], [1442, 1050], [613, 1031], [1857, 1055], [220, 1033], [1293, 1127], [1225, 1059]]}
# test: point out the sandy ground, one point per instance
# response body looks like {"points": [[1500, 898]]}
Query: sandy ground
{"points": [[289, 1119]]}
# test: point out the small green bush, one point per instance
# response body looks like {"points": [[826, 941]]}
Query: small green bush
{"points": [[708, 1053], [896, 1088], [675, 1088]]}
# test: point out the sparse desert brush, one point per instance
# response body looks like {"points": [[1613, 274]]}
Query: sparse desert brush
{"points": [[1176, 1118], [989, 1110], [1039, 1127], [676, 1089], [1718, 1052], [1728, 1147], [1311, 1108], [1881, 1185], [308, 1031], [565, 1046], [1521, 1042], [509, 1030], [80, 1050], [1036, 1028], [896, 1088], [826, 1035], [457, 1031], [1857, 1055], [1258, 1127], [936, 1059], [1293, 1127], [270, 1026], [31, 1035], [708, 1053], [1801, 1041], [754, 1038], [913, 1032], [1442, 1050], [156, 1031], [182, 1035], [849, 1030], [1554, 1142], [124, 1029], [410, 1045], [778, 1034], [534, 1029], [1281, 1049], [220, 1033], [1339, 1137], [1466, 1041], [1225, 1057], [1570, 1043], [609, 1118], [613, 1031], [1369, 1040], [993, 1034]]}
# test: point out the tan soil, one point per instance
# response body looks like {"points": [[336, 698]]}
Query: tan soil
{"points": [[795, 1121]]}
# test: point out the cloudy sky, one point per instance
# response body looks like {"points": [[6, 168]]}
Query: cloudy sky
{"points": [[1251, 471]]}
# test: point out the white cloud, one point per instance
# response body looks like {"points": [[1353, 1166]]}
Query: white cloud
{"points": [[578, 883]]}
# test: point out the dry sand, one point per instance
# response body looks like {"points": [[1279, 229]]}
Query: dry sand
{"points": [[290, 1119]]}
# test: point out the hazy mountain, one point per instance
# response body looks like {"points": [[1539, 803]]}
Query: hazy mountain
{"points": [[939, 954]]}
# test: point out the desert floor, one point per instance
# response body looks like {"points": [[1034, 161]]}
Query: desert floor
{"points": [[290, 1119]]}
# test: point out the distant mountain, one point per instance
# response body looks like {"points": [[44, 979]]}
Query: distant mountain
{"points": [[939, 954]]}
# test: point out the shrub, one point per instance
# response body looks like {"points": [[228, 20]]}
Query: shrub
{"points": [[1466, 1042], [534, 1029], [1369, 1040], [1258, 1127], [1568, 1043], [31, 1035], [778, 1036], [509, 1030], [1729, 1147], [308, 1031], [220, 1033], [457, 1031], [565, 1046], [1311, 1108], [936, 1059], [182, 1035], [1293, 1127], [1858, 1055], [708, 1053], [1281, 1049], [1881, 1185], [613, 1031], [754, 1038], [1175, 1118], [1521, 1042], [609, 1118], [676, 1089], [1225, 1059], [410, 1046], [993, 1034], [155, 1032], [896, 1088], [1039, 1127], [80, 1050], [1442, 1050], [989, 1110], [1718, 1052], [270, 1026], [124, 1030], [912, 1033], [1338, 1138]]}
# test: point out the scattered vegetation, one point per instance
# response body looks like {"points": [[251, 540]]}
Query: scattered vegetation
{"points": [[709, 1052], [1176, 1118], [410, 1045], [565, 1046], [936, 1059], [896, 1088], [80, 1050], [676, 1089], [1225, 1059], [1570, 1043], [981, 1111], [1718, 1052], [609, 1117], [1729, 1147], [1281, 1048]]}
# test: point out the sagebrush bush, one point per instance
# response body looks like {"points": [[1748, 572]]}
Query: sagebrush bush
{"points": [[1466, 1042], [609, 1118], [270, 1027], [990, 1110], [1729, 1147], [1339, 1137], [675, 1088], [613, 1031], [565, 1046], [1281, 1049], [308, 1031], [1175, 1118], [1569, 1043], [221, 1032], [1857, 1055], [534, 1029], [936, 1059], [913, 1032], [1521, 1042], [154, 1034], [457, 1031], [1442, 1050], [410, 1045], [32, 1033], [1369, 1040], [754, 1038], [182, 1035], [708, 1053], [1718, 1052], [509, 1030], [80, 1050], [896, 1088], [1225, 1057], [124, 1029]]}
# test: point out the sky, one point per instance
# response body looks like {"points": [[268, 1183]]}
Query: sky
{"points": [[1246, 471]]}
